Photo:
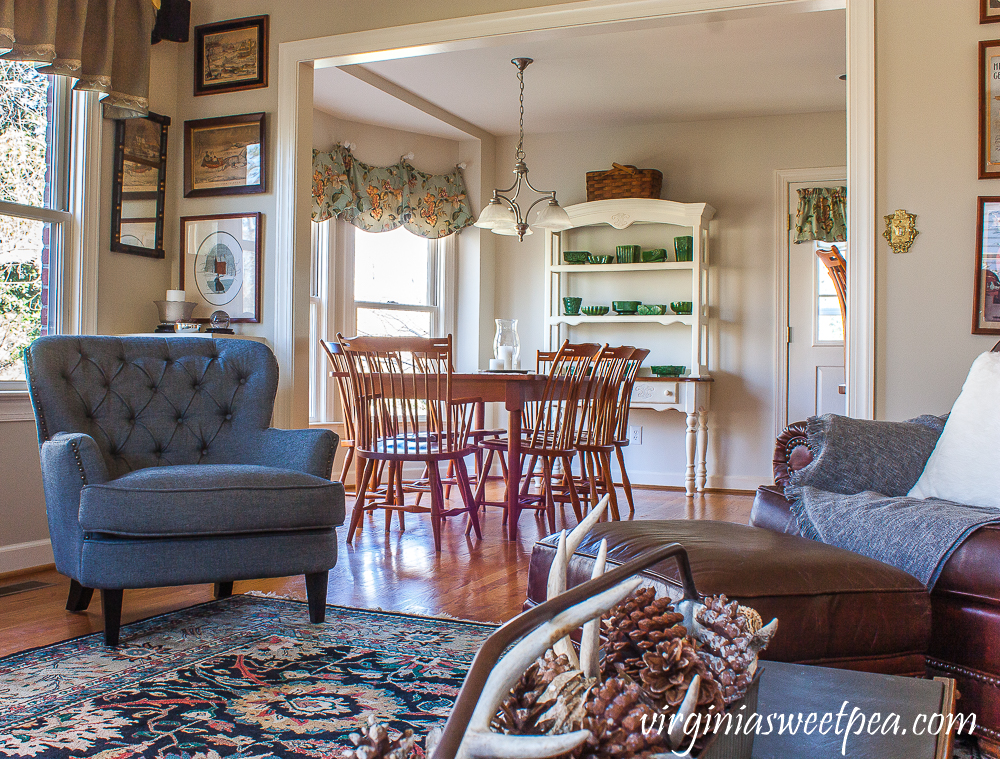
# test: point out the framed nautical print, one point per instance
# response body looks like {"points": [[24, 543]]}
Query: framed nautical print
{"points": [[221, 265], [224, 156], [230, 55], [986, 299]]}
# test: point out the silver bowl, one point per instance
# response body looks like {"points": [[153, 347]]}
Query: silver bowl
{"points": [[172, 311]]}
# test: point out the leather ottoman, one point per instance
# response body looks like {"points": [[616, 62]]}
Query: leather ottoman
{"points": [[835, 608]]}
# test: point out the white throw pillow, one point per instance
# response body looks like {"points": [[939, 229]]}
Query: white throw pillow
{"points": [[964, 466]]}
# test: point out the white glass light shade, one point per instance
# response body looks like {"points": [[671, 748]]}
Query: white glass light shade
{"points": [[552, 216], [510, 231], [495, 214]]}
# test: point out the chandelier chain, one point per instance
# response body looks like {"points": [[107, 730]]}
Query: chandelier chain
{"points": [[519, 154]]}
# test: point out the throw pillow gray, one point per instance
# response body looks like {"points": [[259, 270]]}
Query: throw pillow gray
{"points": [[854, 455]]}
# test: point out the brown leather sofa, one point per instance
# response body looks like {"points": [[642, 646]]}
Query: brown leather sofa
{"points": [[965, 602]]}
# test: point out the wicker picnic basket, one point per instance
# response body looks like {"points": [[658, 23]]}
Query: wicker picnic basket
{"points": [[623, 181]]}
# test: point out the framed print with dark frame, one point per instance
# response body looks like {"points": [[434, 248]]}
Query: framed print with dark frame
{"points": [[230, 55], [989, 109], [138, 189], [221, 265], [989, 11], [986, 313], [225, 156]]}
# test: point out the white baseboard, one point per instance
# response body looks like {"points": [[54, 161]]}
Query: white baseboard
{"points": [[36, 553], [715, 482]]}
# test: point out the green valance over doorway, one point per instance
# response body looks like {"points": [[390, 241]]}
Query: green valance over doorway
{"points": [[821, 214]]}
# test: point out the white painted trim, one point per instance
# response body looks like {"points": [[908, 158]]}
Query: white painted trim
{"points": [[677, 480], [295, 120], [83, 243], [861, 221], [19, 556], [782, 179], [15, 406]]}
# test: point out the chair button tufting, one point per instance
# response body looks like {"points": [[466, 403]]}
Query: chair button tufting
{"points": [[229, 417], [204, 451], [243, 380]]}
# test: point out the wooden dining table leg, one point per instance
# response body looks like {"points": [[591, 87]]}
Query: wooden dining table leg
{"points": [[513, 469]]}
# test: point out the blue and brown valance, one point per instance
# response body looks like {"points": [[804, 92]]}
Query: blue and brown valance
{"points": [[383, 198], [821, 215]]}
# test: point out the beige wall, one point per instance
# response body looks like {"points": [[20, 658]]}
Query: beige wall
{"points": [[927, 80], [730, 165]]}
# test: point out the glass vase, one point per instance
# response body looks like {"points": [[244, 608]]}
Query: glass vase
{"points": [[506, 344]]}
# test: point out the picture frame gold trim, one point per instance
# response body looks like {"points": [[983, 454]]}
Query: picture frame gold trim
{"points": [[986, 287], [231, 56]]}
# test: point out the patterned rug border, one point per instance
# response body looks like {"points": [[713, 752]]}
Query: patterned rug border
{"points": [[252, 594]]}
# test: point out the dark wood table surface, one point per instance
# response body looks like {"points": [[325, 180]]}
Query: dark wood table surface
{"points": [[793, 689]]}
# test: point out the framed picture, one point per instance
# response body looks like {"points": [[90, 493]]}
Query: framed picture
{"points": [[224, 156], [989, 11], [230, 55], [989, 109], [221, 264], [986, 314], [138, 189]]}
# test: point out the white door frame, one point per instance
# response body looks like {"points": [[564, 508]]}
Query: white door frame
{"points": [[783, 178], [290, 259]]}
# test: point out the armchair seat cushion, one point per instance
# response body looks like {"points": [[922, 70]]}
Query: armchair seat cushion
{"points": [[210, 499]]}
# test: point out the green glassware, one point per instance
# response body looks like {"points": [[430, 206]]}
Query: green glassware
{"points": [[571, 306], [628, 254], [595, 310], [576, 256], [681, 307], [652, 309], [653, 256], [625, 306], [684, 247]]}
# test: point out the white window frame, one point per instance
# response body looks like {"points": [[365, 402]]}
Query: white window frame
{"points": [[333, 309], [74, 231]]}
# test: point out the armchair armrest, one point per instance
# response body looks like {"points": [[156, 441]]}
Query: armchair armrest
{"points": [[70, 461], [790, 452], [309, 451]]}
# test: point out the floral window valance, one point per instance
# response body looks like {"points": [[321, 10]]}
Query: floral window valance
{"points": [[821, 215], [383, 198]]}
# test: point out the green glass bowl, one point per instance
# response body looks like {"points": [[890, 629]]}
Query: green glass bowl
{"points": [[651, 309], [681, 307], [667, 370], [576, 256], [600, 259], [625, 306], [594, 310]]}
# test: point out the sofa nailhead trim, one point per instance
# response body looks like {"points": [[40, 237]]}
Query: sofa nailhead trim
{"points": [[79, 461], [965, 671]]}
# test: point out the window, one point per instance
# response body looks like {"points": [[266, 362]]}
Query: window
{"points": [[828, 319], [364, 283], [34, 132]]}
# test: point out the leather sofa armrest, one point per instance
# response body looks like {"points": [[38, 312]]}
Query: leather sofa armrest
{"points": [[790, 452], [772, 511]]}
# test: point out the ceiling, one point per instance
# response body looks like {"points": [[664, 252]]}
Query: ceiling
{"points": [[777, 64]]}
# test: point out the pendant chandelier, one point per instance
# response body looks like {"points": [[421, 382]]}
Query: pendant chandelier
{"points": [[503, 215]]}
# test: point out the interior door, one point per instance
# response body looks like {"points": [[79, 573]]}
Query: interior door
{"points": [[816, 332]]}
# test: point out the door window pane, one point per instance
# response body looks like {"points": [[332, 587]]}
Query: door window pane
{"points": [[26, 134], [829, 320], [393, 323], [24, 290], [391, 267]]}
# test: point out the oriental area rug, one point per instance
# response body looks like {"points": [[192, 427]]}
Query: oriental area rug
{"points": [[244, 677]]}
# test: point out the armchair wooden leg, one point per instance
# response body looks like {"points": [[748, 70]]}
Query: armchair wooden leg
{"points": [[223, 589], [111, 601], [316, 584], [79, 597]]}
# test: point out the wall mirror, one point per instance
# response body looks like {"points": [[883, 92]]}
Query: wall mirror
{"points": [[140, 177]]}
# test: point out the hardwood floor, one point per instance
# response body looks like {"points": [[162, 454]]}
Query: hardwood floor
{"points": [[395, 570]]}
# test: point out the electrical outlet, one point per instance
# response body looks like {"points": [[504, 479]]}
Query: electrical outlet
{"points": [[635, 435]]}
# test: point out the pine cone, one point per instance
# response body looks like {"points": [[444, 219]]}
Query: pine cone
{"points": [[374, 743], [635, 627], [669, 671], [614, 719], [520, 711], [725, 644]]}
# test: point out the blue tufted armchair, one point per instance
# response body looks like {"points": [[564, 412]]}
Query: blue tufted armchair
{"points": [[160, 468]]}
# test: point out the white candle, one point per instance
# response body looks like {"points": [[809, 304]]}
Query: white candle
{"points": [[496, 364], [506, 353], [175, 296]]}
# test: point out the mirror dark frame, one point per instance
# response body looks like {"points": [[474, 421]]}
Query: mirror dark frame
{"points": [[152, 160]]}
